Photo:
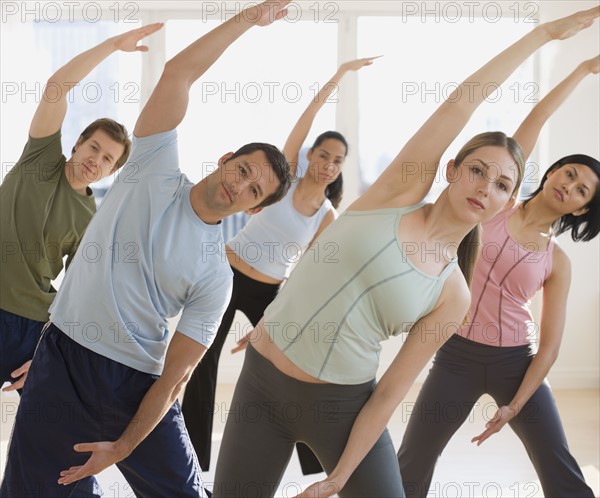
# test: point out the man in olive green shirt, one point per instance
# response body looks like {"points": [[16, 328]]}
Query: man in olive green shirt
{"points": [[46, 204]]}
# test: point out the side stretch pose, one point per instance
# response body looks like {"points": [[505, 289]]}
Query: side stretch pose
{"points": [[105, 359], [310, 368], [492, 353], [259, 255], [46, 204]]}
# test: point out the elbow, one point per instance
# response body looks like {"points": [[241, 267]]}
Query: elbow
{"points": [[171, 70], [549, 355], [175, 382], [53, 81], [57, 86], [455, 107], [176, 73], [386, 400], [183, 380]]}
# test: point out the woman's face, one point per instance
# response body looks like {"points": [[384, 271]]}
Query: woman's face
{"points": [[483, 184], [326, 160], [570, 188]]}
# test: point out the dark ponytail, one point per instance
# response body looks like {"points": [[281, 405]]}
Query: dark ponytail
{"points": [[335, 191], [468, 252]]}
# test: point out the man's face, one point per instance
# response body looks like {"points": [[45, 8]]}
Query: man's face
{"points": [[241, 183], [95, 157]]}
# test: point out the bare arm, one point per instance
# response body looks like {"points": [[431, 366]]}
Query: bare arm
{"points": [[52, 109], [182, 357], [329, 218], [423, 340], [410, 176], [556, 291], [300, 131], [168, 103], [529, 131]]}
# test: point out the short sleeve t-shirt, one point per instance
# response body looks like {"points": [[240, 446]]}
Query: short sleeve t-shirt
{"points": [[145, 257], [42, 220]]}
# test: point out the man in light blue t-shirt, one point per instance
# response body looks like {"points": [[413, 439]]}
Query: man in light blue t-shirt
{"points": [[105, 367]]}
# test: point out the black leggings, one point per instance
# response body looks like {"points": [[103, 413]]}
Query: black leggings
{"points": [[462, 371], [271, 411], [252, 298]]}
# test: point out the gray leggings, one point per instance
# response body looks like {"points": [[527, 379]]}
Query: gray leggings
{"points": [[270, 412], [462, 371]]}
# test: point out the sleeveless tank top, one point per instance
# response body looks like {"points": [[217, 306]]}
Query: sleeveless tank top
{"points": [[506, 277], [349, 293], [274, 239]]}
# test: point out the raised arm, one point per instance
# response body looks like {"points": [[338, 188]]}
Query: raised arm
{"points": [[182, 357], [300, 131], [554, 304], [51, 111], [423, 340], [530, 129], [168, 103], [411, 174]]}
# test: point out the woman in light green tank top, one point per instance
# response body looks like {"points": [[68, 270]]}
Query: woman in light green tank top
{"points": [[293, 361]]}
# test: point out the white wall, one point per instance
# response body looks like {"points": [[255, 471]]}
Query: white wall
{"points": [[575, 129]]}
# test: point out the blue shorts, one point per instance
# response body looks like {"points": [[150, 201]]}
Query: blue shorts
{"points": [[18, 338], [73, 395]]}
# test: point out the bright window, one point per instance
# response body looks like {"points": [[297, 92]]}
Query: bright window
{"points": [[111, 90], [256, 91], [423, 63]]}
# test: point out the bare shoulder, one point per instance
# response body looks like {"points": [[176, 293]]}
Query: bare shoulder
{"points": [[455, 297], [559, 254], [456, 288], [561, 264], [331, 215]]}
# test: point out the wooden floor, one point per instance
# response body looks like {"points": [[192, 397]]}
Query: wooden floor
{"points": [[499, 468]]}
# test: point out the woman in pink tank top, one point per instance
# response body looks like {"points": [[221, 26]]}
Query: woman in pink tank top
{"points": [[492, 352]]}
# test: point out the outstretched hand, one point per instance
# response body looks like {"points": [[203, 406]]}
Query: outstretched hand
{"points": [[566, 27], [499, 420], [267, 12], [242, 343], [593, 65], [355, 65], [321, 489], [128, 42], [104, 454], [20, 372]]}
